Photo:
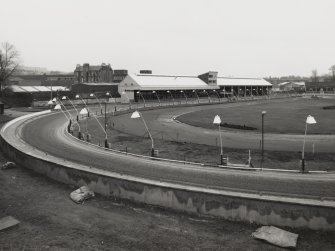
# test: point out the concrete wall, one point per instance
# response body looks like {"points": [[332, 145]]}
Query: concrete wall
{"points": [[179, 197]]}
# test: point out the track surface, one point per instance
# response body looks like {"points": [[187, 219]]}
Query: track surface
{"points": [[47, 134], [163, 121]]}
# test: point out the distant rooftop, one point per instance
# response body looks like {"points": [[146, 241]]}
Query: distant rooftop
{"points": [[34, 89], [226, 81]]}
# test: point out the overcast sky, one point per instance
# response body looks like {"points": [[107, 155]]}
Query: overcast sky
{"points": [[240, 38]]}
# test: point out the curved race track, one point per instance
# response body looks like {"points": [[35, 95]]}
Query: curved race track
{"points": [[47, 134], [163, 121]]}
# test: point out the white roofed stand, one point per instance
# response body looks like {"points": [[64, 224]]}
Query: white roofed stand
{"points": [[137, 87]]}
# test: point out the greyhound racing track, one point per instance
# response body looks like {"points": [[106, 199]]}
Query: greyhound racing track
{"points": [[166, 121], [47, 133]]}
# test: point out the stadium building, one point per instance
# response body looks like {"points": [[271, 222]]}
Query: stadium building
{"points": [[150, 86]]}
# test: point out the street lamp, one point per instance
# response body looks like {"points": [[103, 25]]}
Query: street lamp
{"points": [[84, 112], [93, 95], [310, 120], [217, 121], [138, 92], [263, 115], [109, 94], [157, 97], [88, 111], [64, 98], [57, 108], [217, 95], [125, 93], [196, 95], [184, 95], [137, 114], [209, 99], [171, 96]]}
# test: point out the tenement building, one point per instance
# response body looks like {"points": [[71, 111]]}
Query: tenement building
{"points": [[87, 73]]}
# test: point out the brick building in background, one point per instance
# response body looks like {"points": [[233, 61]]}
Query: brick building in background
{"points": [[87, 73]]}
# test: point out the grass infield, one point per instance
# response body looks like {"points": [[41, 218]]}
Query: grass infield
{"points": [[282, 117]]}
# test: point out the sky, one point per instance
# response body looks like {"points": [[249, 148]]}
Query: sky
{"points": [[240, 38]]}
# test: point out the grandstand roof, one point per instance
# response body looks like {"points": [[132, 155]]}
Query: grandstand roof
{"points": [[225, 81], [163, 82]]}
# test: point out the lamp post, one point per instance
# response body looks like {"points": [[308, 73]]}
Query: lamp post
{"points": [[57, 108], [171, 96], [88, 114], [125, 93], [84, 111], [70, 116], [157, 97], [93, 95], [184, 95], [88, 111], [64, 98], [217, 121], [310, 120], [209, 99], [138, 92], [137, 114], [61, 103], [263, 115], [103, 129], [196, 95], [109, 94], [51, 91], [217, 95]]}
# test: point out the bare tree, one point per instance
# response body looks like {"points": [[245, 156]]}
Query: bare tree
{"points": [[9, 63], [332, 71], [315, 75]]}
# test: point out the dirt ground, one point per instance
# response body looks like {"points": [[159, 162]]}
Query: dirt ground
{"points": [[49, 220]]}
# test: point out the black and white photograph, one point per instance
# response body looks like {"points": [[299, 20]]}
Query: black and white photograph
{"points": [[167, 125]]}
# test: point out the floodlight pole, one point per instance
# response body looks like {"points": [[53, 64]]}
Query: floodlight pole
{"points": [[70, 116], [157, 98], [124, 92], [106, 142], [74, 108], [142, 97], [217, 95], [221, 153], [209, 100], [88, 111], [152, 140], [184, 95], [303, 152], [98, 101], [51, 91], [197, 96], [171, 96], [263, 115]]}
